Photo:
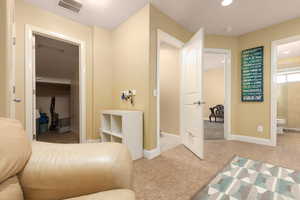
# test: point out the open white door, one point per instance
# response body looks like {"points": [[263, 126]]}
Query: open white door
{"points": [[191, 95], [33, 88]]}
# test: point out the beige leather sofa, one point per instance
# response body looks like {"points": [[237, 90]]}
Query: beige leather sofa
{"points": [[44, 171]]}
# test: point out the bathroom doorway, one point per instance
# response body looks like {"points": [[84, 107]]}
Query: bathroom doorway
{"points": [[285, 94], [288, 89]]}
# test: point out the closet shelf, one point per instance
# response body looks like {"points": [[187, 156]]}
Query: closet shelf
{"points": [[53, 80], [119, 135]]}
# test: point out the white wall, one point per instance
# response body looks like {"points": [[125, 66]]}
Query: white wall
{"points": [[62, 105]]}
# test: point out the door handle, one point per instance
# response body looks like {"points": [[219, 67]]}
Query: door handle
{"points": [[191, 134], [199, 103], [17, 100]]}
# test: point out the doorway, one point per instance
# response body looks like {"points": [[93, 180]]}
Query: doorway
{"points": [[285, 89], [187, 91], [55, 87], [169, 96], [168, 91], [216, 93], [57, 94]]}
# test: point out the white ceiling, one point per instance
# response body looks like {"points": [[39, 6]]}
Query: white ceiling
{"points": [[242, 16], [213, 60], [103, 13], [289, 50]]}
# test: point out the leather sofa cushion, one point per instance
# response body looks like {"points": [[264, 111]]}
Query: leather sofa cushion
{"points": [[108, 195], [15, 148], [60, 171], [11, 189]]}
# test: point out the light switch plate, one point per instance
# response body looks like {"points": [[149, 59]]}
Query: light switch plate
{"points": [[260, 128]]}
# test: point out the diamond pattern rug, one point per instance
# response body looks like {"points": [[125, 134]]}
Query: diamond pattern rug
{"points": [[245, 179]]}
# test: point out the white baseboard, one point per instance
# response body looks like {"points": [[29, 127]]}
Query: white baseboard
{"points": [[170, 134], [249, 139], [150, 154], [93, 141]]}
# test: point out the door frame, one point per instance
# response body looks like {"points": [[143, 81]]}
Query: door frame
{"points": [[273, 82], [11, 60], [171, 40], [29, 32], [227, 87]]}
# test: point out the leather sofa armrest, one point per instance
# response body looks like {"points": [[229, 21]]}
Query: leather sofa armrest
{"points": [[58, 171]]}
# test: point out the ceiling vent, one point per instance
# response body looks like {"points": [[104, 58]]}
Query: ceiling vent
{"points": [[72, 5]]}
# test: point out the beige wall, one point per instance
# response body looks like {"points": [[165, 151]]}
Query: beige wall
{"points": [[3, 22], [169, 65], [29, 14], [102, 75], [288, 62], [253, 114], [133, 62], [130, 64], [282, 101], [288, 103], [213, 89]]}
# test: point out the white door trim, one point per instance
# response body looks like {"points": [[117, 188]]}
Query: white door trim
{"points": [[227, 104], [29, 31], [10, 64], [169, 39], [273, 98]]}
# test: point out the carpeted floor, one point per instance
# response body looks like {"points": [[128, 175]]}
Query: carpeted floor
{"points": [[178, 174]]}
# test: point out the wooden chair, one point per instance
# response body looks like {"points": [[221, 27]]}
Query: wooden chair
{"points": [[217, 112]]}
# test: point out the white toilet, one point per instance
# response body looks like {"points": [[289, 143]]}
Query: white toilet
{"points": [[280, 126]]}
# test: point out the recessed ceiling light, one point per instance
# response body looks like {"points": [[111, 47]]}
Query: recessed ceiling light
{"points": [[223, 61], [227, 2]]}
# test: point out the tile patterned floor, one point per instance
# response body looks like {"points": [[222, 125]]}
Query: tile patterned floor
{"points": [[178, 174]]}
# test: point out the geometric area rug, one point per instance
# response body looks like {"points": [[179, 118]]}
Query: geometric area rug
{"points": [[245, 179]]}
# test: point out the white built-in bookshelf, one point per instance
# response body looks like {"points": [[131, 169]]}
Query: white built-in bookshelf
{"points": [[124, 126]]}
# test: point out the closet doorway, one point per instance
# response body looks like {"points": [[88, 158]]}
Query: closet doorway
{"points": [[55, 110]]}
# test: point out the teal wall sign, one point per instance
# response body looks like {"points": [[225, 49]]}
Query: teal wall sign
{"points": [[252, 83]]}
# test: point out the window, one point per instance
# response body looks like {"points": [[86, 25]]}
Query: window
{"points": [[293, 77], [281, 78], [284, 77]]}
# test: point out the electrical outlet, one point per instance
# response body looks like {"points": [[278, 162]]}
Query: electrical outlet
{"points": [[260, 128]]}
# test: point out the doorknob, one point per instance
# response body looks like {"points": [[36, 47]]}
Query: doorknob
{"points": [[191, 134], [199, 102], [17, 100]]}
